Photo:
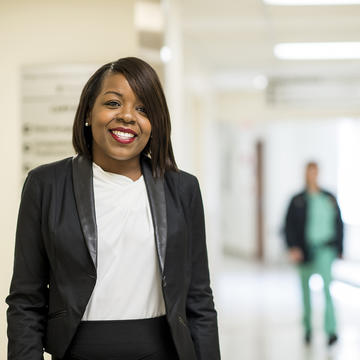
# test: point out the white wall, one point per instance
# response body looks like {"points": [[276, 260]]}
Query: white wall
{"points": [[42, 32], [349, 179], [238, 188]]}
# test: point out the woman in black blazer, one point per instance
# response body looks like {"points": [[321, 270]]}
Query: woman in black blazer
{"points": [[122, 126]]}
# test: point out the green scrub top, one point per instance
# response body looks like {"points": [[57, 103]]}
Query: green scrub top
{"points": [[320, 222]]}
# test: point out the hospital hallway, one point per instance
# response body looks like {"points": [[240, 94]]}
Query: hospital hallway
{"points": [[259, 310]]}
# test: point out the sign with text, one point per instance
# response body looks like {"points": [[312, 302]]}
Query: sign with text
{"points": [[50, 96]]}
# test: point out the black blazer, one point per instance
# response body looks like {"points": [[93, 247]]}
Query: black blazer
{"points": [[56, 256], [295, 224]]}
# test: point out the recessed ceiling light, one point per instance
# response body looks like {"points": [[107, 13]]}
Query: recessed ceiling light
{"points": [[317, 51], [311, 2]]}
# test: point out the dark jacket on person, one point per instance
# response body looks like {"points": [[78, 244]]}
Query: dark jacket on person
{"points": [[295, 224], [56, 256]]}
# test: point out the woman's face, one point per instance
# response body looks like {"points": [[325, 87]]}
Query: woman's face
{"points": [[119, 124]]}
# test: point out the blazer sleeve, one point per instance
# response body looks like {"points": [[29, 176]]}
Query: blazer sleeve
{"points": [[290, 225], [339, 230], [200, 311], [28, 297]]}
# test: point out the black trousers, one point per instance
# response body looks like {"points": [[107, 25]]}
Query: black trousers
{"points": [[145, 339]]}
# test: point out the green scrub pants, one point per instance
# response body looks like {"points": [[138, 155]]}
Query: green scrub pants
{"points": [[322, 259]]}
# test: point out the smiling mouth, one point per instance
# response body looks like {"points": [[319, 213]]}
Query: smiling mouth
{"points": [[123, 137]]}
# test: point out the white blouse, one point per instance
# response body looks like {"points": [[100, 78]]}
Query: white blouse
{"points": [[128, 282]]}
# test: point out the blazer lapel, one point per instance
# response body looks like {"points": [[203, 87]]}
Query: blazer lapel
{"points": [[156, 195], [84, 198]]}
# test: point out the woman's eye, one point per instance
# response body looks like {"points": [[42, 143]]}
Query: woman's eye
{"points": [[141, 109], [113, 103]]}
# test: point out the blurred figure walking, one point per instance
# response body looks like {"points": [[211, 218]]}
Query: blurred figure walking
{"points": [[314, 236]]}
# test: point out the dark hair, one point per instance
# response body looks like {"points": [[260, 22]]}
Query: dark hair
{"points": [[311, 164], [145, 83]]}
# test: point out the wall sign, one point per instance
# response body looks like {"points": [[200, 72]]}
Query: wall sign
{"points": [[50, 96]]}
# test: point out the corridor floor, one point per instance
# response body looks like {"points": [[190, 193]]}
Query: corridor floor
{"points": [[260, 315]]}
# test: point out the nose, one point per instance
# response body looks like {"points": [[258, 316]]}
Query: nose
{"points": [[126, 115]]}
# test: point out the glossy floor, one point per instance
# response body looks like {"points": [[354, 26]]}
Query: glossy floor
{"points": [[260, 315]]}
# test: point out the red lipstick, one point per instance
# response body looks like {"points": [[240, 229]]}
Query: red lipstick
{"points": [[125, 130], [123, 135]]}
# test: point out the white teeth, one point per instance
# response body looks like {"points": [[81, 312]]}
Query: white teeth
{"points": [[123, 134]]}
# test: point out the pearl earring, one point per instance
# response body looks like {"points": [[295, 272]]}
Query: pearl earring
{"points": [[86, 124]]}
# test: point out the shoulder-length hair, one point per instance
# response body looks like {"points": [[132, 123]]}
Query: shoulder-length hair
{"points": [[145, 83]]}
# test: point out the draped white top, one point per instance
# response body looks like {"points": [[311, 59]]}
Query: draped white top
{"points": [[128, 282]]}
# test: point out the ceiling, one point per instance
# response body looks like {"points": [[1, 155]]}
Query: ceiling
{"points": [[237, 36]]}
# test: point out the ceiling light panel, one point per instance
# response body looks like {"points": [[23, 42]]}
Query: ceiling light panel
{"points": [[311, 2], [317, 51]]}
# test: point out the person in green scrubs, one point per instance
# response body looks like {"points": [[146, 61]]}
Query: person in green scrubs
{"points": [[314, 237]]}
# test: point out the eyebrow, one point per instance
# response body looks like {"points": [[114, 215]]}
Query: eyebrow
{"points": [[114, 92]]}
